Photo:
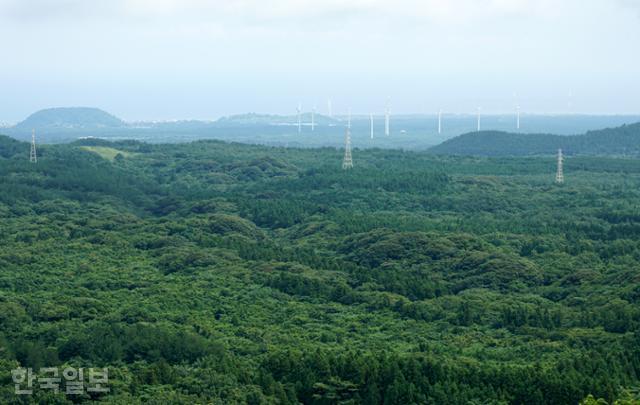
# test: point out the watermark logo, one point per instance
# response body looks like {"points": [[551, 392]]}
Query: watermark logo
{"points": [[49, 378]]}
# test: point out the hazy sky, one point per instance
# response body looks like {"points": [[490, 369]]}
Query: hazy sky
{"points": [[169, 59]]}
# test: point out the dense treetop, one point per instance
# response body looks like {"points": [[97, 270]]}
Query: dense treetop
{"points": [[211, 272]]}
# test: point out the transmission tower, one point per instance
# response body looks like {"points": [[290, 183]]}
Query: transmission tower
{"points": [[33, 156], [347, 162], [559, 173]]}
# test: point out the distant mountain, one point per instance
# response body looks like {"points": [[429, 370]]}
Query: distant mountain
{"points": [[70, 118], [59, 125], [268, 119], [624, 140], [171, 125]]}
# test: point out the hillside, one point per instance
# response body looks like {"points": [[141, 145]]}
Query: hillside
{"points": [[70, 118], [267, 119], [223, 273], [66, 124], [10, 148], [624, 140]]}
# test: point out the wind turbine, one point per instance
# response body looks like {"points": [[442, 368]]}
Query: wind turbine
{"points": [[387, 118], [515, 100], [478, 130], [299, 109], [371, 122], [313, 119]]}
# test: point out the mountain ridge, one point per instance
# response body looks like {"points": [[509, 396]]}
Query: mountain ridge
{"points": [[622, 140], [66, 124], [70, 118]]}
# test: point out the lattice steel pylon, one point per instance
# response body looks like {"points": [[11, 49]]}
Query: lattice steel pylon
{"points": [[33, 156], [347, 162], [559, 173]]}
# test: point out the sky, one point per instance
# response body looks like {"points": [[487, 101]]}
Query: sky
{"points": [[197, 59]]}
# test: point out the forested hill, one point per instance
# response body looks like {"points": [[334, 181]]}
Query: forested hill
{"points": [[221, 273], [624, 140], [69, 118], [10, 147], [269, 119]]}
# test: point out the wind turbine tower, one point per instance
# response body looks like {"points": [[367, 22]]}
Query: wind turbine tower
{"points": [[371, 124], [386, 119], [478, 129], [313, 119], [299, 117], [347, 161], [559, 173], [518, 117], [33, 155]]}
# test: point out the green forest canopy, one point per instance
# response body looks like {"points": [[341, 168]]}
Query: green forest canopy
{"points": [[225, 273]]}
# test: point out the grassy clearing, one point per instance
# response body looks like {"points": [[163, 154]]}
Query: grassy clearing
{"points": [[106, 152]]}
